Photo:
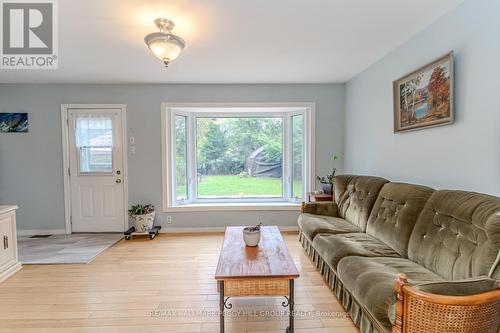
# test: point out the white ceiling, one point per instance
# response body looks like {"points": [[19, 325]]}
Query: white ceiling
{"points": [[230, 41]]}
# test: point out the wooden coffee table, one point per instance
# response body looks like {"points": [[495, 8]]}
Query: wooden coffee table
{"points": [[264, 270]]}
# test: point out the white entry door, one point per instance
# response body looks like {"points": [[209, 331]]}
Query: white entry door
{"points": [[96, 170]]}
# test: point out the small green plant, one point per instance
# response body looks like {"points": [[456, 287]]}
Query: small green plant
{"points": [[254, 228], [139, 209], [328, 179]]}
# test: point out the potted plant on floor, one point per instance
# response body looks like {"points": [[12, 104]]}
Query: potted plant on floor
{"points": [[327, 181], [143, 216]]}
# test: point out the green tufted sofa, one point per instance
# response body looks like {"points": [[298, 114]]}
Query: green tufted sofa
{"points": [[382, 243]]}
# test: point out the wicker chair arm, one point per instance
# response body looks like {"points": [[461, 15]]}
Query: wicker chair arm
{"points": [[320, 208], [418, 311]]}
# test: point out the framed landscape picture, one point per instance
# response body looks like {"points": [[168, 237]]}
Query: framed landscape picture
{"points": [[424, 98]]}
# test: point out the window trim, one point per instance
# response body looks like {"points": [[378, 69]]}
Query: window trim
{"points": [[290, 151], [168, 196]]}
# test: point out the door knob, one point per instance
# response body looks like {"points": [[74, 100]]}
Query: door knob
{"points": [[118, 181]]}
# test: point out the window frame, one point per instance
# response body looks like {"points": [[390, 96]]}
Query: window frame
{"points": [[291, 158], [196, 110], [173, 157]]}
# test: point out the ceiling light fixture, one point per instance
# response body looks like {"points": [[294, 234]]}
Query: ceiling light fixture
{"points": [[164, 44]]}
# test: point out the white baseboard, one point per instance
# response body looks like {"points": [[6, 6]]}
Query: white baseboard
{"points": [[31, 232], [10, 271], [294, 228], [165, 230]]}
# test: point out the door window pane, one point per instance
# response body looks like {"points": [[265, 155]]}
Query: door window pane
{"points": [[94, 141], [180, 158], [239, 157], [297, 156]]}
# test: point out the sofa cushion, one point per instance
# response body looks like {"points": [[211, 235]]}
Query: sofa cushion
{"points": [[458, 235], [465, 287], [355, 196], [395, 213], [311, 225], [326, 208], [332, 248], [371, 282]]}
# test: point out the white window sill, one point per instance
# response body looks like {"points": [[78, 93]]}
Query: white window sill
{"points": [[274, 206]]}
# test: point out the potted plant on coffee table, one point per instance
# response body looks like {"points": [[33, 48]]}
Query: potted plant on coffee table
{"points": [[143, 216], [327, 181], [251, 235]]}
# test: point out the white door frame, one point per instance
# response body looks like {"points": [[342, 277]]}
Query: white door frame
{"points": [[65, 144]]}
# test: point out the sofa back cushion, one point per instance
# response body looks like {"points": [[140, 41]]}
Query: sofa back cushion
{"points": [[355, 196], [457, 235], [395, 213]]}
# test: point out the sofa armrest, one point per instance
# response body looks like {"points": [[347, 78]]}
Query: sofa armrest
{"points": [[320, 208], [470, 305]]}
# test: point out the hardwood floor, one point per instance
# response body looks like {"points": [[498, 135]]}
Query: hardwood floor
{"points": [[164, 285]]}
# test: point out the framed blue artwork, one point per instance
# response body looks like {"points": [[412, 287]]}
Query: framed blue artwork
{"points": [[13, 122]]}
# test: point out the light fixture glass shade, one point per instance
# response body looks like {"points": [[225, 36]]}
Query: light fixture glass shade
{"points": [[165, 46]]}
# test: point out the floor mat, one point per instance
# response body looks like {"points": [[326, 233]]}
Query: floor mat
{"points": [[64, 249]]}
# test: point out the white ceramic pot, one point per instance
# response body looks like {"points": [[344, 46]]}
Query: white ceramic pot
{"points": [[251, 238], [327, 188], [144, 222]]}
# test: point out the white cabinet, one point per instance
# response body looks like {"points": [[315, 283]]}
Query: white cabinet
{"points": [[9, 263]]}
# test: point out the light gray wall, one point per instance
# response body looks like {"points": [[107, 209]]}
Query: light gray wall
{"points": [[465, 155], [31, 164]]}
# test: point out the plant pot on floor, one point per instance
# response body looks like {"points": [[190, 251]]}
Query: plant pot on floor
{"points": [[143, 222], [327, 188]]}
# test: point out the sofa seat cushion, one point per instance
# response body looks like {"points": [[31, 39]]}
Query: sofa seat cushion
{"points": [[371, 282], [311, 225], [464, 287], [332, 248]]}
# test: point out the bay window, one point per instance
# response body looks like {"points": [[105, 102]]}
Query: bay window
{"points": [[233, 155]]}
